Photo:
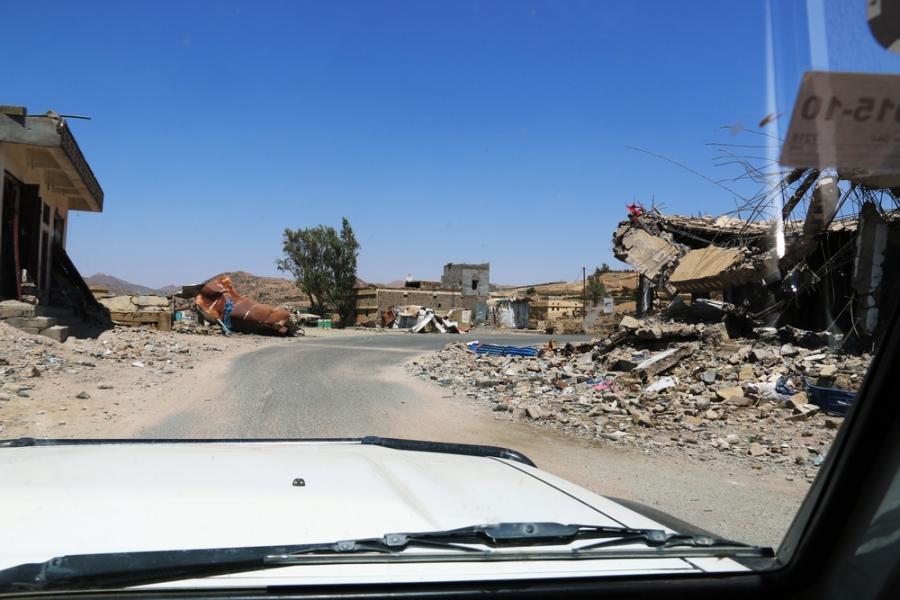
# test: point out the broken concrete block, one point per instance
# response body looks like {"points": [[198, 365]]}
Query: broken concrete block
{"points": [[661, 362], [729, 392], [60, 333], [798, 399], [760, 354], [740, 401], [584, 360], [803, 412], [828, 371], [535, 412], [14, 308], [756, 449], [746, 373], [640, 418], [35, 322], [629, 323], [789, 350], [709, 376]]}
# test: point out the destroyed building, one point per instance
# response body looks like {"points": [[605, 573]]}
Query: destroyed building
{"points": [[45, 177], [509, 312], [373, 303], [821, 272]]}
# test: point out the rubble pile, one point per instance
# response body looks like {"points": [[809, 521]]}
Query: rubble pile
{"points": [[94, 387], [25, 359], [669, 387]]}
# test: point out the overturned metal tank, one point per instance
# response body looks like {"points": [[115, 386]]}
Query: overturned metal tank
{"points": [[247, 316]]}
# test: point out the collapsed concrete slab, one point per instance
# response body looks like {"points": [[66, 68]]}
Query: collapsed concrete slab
{"points": [[713, 268], [650, 255], [802, 272]]}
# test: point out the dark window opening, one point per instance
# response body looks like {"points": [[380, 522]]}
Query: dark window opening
{"points": [[57, 228], [45, 255], [474, 284]]}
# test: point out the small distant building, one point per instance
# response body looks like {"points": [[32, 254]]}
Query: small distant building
{"points": [[470, 279], [541, 312], [473, 280]]}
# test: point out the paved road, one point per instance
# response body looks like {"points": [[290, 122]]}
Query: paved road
{"points": [[356, 385], [325, 387]]}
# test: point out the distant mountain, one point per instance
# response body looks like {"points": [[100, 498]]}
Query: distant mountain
{"points": [[168, 290], [118, 286], [269, 290]]}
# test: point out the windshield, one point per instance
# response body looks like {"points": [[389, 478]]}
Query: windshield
{"points": [[619, 264]]}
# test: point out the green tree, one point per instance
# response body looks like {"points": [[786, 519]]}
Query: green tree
{"points": [[595, 288], [323, 263]]}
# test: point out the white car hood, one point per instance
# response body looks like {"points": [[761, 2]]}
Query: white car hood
{"points": [[125, 497]]}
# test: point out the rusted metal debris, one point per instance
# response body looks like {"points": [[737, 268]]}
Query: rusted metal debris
{"points": [[247, 316]]}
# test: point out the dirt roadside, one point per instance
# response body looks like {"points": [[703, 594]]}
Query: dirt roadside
{"points": [[110, 386]]}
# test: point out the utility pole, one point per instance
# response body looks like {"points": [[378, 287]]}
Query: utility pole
{"points": [[583, 290]]}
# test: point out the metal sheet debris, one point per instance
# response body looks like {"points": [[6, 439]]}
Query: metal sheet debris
{"points": [[495, 350], [247, 315]]}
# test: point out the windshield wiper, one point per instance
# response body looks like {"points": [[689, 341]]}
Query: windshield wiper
{"points": [[505, 535], [479, 542]]}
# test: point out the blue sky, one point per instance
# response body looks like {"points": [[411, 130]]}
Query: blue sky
{"points": [[445, 131]]}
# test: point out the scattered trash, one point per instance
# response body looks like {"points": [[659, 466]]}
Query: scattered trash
{"points": [[429, 321], [832, 400], [663, 383]]}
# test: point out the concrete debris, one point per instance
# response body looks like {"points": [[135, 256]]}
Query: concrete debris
{"points": [[649, 385], [761, 278]]}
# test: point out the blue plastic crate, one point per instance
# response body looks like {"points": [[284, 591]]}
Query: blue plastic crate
{"points": [[834, 401]]}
